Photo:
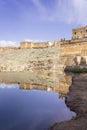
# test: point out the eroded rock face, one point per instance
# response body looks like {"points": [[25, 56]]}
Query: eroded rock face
{"points": [[30, 59], [77, 101]]}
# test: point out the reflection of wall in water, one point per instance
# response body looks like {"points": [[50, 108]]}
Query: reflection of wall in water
{"points": [[62, 88]]}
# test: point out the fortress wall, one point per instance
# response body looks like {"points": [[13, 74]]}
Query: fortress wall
{"points": [[66, 50], [79, 32], [56, 43], [8, 48], [78, 48], [72, 51], [34, 45], [40, 45], [26, 45]]}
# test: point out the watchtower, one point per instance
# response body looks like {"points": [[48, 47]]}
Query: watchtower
{"points": [[79, 33]]}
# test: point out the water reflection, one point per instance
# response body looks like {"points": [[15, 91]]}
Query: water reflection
{"points": [[46, 81], [33, 101]]}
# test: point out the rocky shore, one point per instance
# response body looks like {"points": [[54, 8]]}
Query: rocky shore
{"points": [[76, 100]]}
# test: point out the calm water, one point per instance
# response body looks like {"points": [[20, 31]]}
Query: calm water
{"points": [[30, 109]]}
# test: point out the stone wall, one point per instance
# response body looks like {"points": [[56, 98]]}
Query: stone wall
{"points": [[35, 45], [26, 45], [73, 48], [8, 48], [67, 53], [70, 51], [67, 47], [74, 51], [43, 55], [79, 33]]}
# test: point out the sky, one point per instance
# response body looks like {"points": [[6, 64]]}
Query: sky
{"points": [[40, 20]]}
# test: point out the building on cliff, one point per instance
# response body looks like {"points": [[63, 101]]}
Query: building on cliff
{"points": [[79, 33]]}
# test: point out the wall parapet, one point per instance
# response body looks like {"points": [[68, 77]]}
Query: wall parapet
{"points": [[34, 45], [8, 48]]}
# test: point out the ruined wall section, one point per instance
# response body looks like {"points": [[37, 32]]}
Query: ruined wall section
{"points": [[73, 48], [34, 45], [8, 48], [73, 51], [79, 33], [26, 45]]}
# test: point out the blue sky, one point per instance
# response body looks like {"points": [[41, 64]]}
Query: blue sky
{"points": [[40, 20]]}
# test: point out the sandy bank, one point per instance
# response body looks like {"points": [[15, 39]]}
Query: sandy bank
{"points": [[77, 101]]}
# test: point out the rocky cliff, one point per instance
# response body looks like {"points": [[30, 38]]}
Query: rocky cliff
{"points": [[30, 59]]}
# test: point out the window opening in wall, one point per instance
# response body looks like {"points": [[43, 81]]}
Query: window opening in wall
{"points": [[75, 33]]}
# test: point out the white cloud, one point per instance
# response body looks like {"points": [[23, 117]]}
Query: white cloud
{"points": [[3, 85], [4, 43], [69, 11], [80, 11], [32, 40], [29, 40]]}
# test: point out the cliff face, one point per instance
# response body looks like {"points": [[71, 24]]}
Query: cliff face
{"points": [[30, 59], [76, 100]]}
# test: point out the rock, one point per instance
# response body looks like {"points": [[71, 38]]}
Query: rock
{"points": [[77, 101]]}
